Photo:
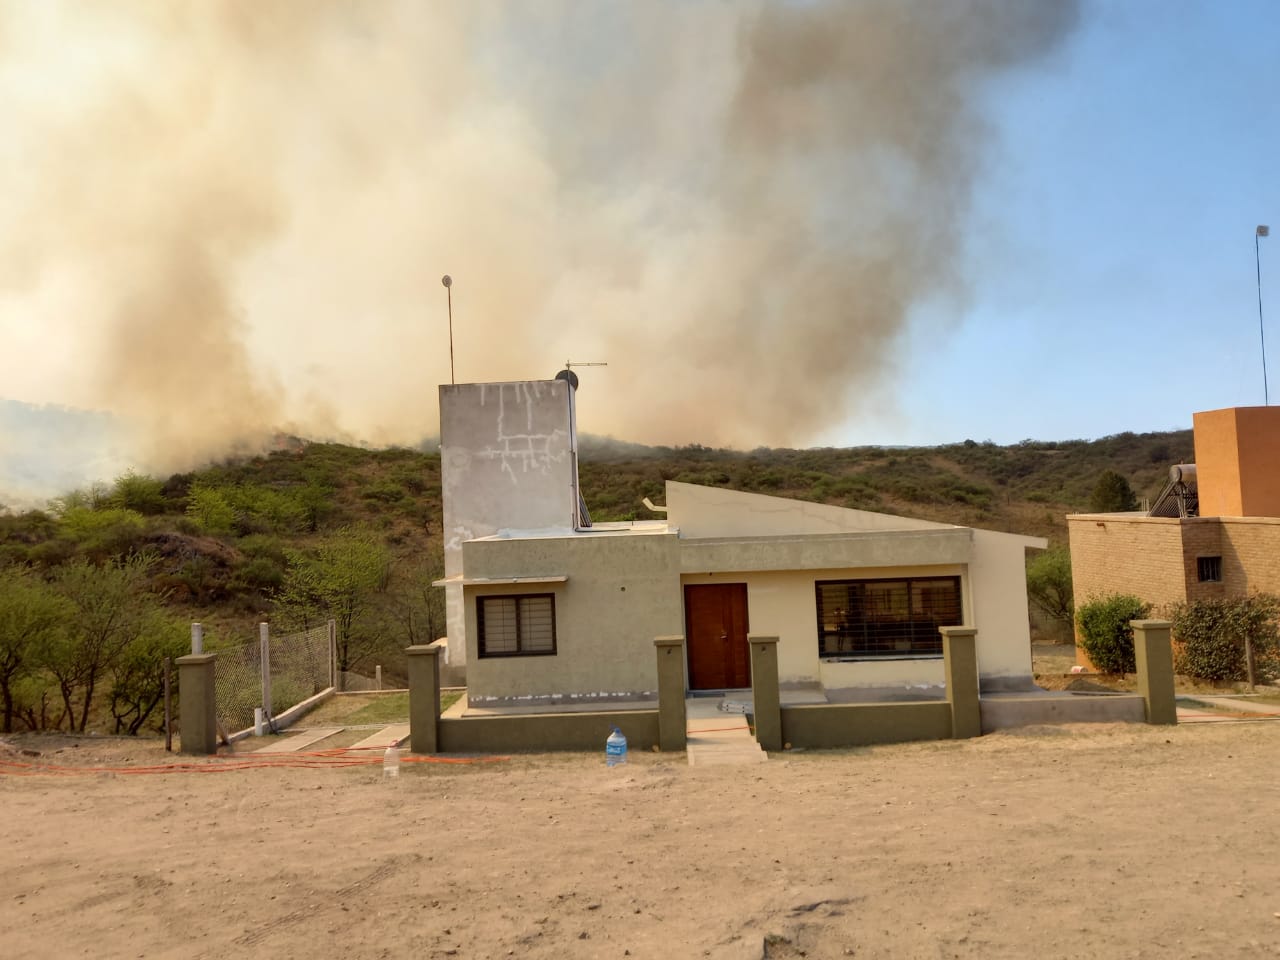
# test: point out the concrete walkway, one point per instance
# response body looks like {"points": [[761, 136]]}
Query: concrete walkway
{"points": [[1214, 709], [714, 737], [399, 732], [296, 742]]}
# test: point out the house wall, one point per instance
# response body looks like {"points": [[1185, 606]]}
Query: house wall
{"points": [[621, 593], [817, 552], [1154, 558], [1202, 537], [718, 526], [1250, 555], [506, 461], [784, 604], [1238, 461], [998, 587], [1122, 553]]}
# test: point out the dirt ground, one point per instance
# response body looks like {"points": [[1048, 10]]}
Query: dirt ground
{"points": [[1073, 841]]}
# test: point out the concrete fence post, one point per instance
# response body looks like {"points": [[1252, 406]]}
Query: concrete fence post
{"points": [[960, 664], [264, 643], [198, 718], [1153, 652], [672, 725], [424, 698], [333, 654], [765, 698]]}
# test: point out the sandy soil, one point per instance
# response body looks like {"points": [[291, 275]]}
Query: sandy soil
{"points": [[1080, 841]]}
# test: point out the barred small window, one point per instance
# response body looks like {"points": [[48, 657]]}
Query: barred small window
{"points": [[1209, 569], [886, 618], [517, 626]]}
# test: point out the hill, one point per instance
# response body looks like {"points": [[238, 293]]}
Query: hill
{"points": [[1024, 488], [224, 534]]}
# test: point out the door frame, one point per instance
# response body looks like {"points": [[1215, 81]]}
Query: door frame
{"points": [[743, 665]]}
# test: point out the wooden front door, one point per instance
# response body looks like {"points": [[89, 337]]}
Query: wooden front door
{"points": [[715, 622]]}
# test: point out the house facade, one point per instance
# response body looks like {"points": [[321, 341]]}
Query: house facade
{"points": [[1228, 544], [545, 605]]}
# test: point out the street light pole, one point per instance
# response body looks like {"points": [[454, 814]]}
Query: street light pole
{"points": [[448, 287], [1262, 231]]}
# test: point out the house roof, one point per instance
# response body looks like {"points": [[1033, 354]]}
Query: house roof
{"points": [[701, 512], [697, 513]]}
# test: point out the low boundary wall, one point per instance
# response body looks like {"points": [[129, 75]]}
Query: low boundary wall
{"points": [[546, 732], [818, 725]]}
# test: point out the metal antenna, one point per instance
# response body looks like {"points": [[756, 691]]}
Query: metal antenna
{"points": [[1262, 231], [569, 364], [448, 286]]}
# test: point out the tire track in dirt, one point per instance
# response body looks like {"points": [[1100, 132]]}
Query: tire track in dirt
{"points": [[379, 873]]}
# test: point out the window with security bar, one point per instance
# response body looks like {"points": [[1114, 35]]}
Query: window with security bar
{"points": [[886, 618], [517, 626]]}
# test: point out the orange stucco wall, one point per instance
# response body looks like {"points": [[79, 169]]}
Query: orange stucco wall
{"points": [[1238, 461]]}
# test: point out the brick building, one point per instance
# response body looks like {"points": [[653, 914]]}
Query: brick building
{"points": [[1226, 545]]}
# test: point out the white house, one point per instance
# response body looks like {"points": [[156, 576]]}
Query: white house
{"points": [[543, 604]]}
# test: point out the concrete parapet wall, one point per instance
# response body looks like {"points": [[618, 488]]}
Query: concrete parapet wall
{"points": [[546, 732], [1008, 711], [861, 724]]}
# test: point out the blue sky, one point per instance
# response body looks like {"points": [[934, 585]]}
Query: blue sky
{"points": [[1110, 251]]}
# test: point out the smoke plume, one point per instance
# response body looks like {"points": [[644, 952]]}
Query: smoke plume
{"points": [[229, 218]]}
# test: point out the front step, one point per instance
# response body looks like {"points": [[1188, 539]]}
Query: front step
{"points": [[714, 737]]}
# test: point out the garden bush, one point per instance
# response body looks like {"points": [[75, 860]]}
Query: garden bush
{"points": [[1211, 636], [1105, 633]]}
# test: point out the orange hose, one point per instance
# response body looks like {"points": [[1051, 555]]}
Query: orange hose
{"points": [[318, 759]]}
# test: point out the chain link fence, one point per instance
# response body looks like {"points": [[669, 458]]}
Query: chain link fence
{"points": [[237, 684], [349, 682], [300, 667], [286, 669]]}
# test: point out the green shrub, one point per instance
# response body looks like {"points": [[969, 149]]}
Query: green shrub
{"points": [[103, 533], [211, 509], [261, 575], [1105, 633], [143, 494], [1211, 637]]}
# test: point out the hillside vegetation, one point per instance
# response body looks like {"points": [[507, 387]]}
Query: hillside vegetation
{"points": [[1025, 488], [319, 531]]}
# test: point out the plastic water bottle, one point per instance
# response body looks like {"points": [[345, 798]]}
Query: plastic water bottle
{"points": [[615, 749], [391, 760]]}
